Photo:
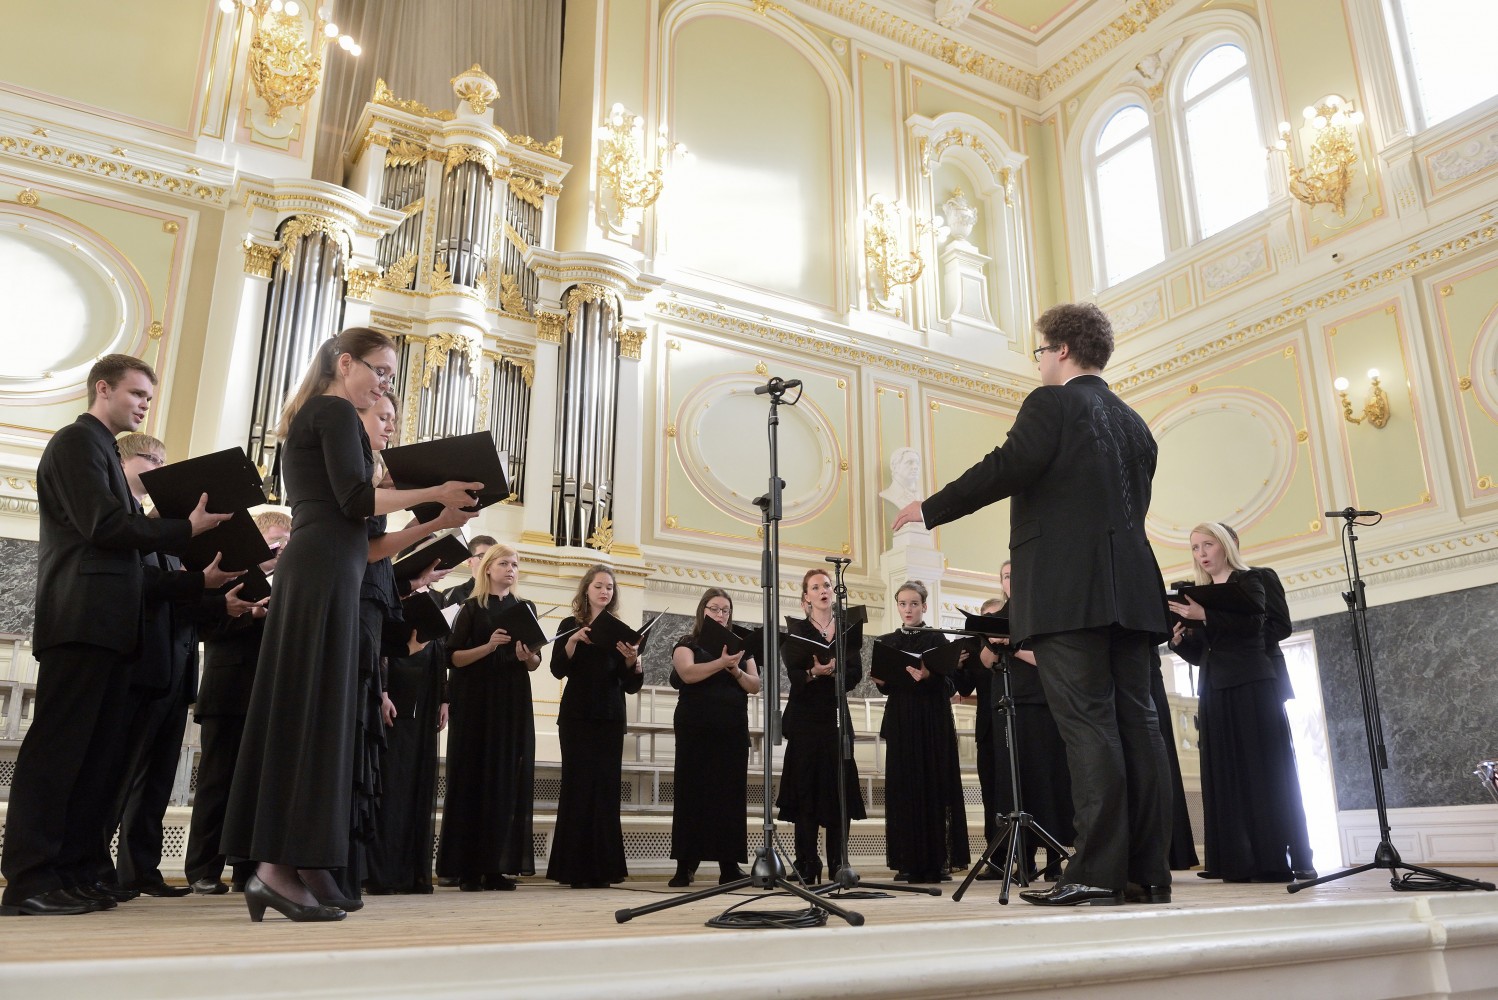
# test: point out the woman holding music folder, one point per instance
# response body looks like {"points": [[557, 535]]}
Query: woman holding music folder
{"points": [[491, 748], [808, 781], [289, 806], [1249, 783], [714, 675], [925, 819], [587, 846]]}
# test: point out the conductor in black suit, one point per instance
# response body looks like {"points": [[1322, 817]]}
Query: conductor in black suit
{"points": [[88, 622], [1078, 464]]}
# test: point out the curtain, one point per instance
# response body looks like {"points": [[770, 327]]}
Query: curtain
{"points": [[418, 46]]}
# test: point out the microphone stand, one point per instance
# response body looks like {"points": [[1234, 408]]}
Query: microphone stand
{"points": [[769, 868], [1017, 821], [843, 877], [1385, 857]]}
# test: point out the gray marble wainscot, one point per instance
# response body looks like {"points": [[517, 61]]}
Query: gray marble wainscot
{"points": [[17, 585]]}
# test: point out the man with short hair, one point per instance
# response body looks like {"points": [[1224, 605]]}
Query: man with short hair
{"points": [[88, 621], [1078, 464]]}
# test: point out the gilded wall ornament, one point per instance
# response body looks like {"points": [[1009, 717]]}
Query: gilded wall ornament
{"points": [[302, 226], [405, 152], [549, 327], [361, 283], [602, 538], [28, 197], [510, 299], [383, 96], [259, 259], [155, 330], [475, 87], [397, 277], [442, 279], [630, 343], [438, 349], [455, 155], [527, 368], [528, 189]]}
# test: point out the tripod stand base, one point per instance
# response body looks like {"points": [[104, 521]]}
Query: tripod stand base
{"points": [[768, 874], [848, 880], [1009, 837], [1387, 858]]}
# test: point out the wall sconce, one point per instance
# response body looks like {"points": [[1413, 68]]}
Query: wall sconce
{"points": [[1327, 175], [285, 62], [881, 245], [622, 170], [1375, 409]]}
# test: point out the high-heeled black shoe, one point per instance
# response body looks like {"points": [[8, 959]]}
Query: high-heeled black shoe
{"points": [[258, 895]]}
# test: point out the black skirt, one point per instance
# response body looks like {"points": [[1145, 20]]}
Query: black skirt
{"points": [[708, 819], [925, 817], [588, 844], [808, 780], [400, 858], [1250, 788]]}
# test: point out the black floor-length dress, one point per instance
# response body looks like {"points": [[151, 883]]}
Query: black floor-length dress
{"points": [[808, 779], [1250, 788], [925, 819], [709, 815], [587, 846], [400, 857], [292, 791], [491, 754], [1182, 839]]}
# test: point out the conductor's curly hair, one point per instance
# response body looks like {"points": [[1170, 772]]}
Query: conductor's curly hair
{"points": [[1082, 327]]}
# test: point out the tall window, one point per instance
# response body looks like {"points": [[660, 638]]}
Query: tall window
{"points": [[1129, 223], [1227, 178], [1447, 48]]}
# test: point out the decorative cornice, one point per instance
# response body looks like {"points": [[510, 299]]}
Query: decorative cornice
{"points": [[1120, 30], [20, 505], [810, 343], [1443, 555]]}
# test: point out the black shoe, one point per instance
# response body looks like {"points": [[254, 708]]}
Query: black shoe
{"points": [[1074, 894], [1206, 874], [474, 884], [680, 880], [499, 882], [730, 873], [237, 885], [448, 882], [52, 903], [902, 876], [989, 873], [1303, 874], [210, 886], [258, 895], [118, 893], [161, 890], [1276, 877], [95, 894], [1137, 893], [810, 871], [381, 890]]}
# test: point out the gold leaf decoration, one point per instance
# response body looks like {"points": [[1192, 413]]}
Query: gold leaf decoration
{"points": [[397, 277]]}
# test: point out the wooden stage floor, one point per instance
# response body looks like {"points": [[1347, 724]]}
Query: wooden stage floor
{"points": [[544, 939]]}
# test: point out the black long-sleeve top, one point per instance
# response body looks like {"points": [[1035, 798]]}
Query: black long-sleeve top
{"points": [[597, 679]]}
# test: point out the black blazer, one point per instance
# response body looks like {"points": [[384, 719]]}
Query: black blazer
{"points": [[1229, 646], [89, 579], [1078, 464], [1277, 627], [231, 651], [175, 603]]}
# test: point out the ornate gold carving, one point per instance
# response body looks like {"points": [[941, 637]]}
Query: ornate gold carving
{"points": [[516, 240], [455, 155], [761, 368], [1136, 19], [527, 368], [843, 465], [847, 548], [28, 197], [1425, 496], [439, 347], [404, 152], [1327, 175], [549, 327], [1484, 482], [528, 189], [510, 299], [630, 343], [1464, 383], [259, 259], [414, 207], [155, 330], [672, 521], [301, 226], [579, 295], [171, 228], [397, 277], [442, 279], [670, 430], [1446, 289], [476, 87], [552, 149], [763, 8], [361, 283], [382, 95], [285, 64], [118, 169], [1193, 389], [602, 538]]}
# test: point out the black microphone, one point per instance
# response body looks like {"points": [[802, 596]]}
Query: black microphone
{"points": [[838, 560], [777, 385], [1350, 513]]}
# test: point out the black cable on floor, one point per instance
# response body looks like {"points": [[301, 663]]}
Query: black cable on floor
{"points": [[734, 919]]}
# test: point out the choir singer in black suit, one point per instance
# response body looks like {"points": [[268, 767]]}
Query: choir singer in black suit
{"points": [[1078, 464], [88, 622]]}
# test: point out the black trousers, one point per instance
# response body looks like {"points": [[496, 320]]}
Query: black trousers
{"points": [[155, 749], [220, 736], [1097, 683], [60, 798]]}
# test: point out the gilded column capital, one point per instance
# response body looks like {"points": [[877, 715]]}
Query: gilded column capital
{"points": [[630, 342], [549, 327], [259, 259], [361, 283]]}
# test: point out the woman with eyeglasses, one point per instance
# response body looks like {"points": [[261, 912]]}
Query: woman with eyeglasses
{"points": [[290, 804], [708, 820]]}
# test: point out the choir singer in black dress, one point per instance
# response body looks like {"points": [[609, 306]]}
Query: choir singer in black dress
{"points": [[924, 815], [712, 747], [587, 846], [491, 748], [289, 806], [1250, 789], [808, 780]]}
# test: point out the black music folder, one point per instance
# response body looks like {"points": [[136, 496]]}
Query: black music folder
{"points": [[944, 659], [606, 630], [523, 626], [421, 613], [228, 477], [888, 665], [1229, 596], [735, 638], [446, 548], [238, 539], [253, 586], [469, 458], [994, 625], [797, 651]]}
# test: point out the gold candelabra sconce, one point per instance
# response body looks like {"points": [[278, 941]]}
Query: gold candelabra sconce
{"points": [[286, 58], [623, 170], [889, 266], [1375, 408], [1327, 174]]}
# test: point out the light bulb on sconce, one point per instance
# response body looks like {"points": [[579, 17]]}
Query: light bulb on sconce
{"points": [[1327, 174], [286, 52], [1375, 408]]}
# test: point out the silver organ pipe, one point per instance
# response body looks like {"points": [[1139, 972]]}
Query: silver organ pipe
{"points": [[509, 416], [403, 188], [463, 216], [524, 219], [582, 480], [304, 307]]}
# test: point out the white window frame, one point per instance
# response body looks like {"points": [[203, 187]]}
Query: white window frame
{"points": [[1404, 62], [1124, 99]]}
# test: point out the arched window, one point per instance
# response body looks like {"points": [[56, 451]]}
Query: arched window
{"points": [[1447, 50], [1226, 171], [1128, 226]]}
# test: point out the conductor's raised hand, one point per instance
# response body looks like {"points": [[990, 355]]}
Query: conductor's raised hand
{"points": [[214, 578], [455, 494], [201, 520], [909, 514]]}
